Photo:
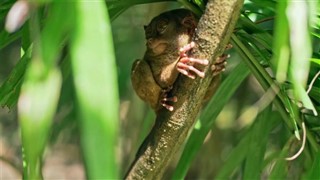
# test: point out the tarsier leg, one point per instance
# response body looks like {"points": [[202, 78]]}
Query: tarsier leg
{"points": [[186, 64], [144, 84]]}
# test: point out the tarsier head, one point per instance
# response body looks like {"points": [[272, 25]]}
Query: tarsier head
{"points": [[163, 28]]}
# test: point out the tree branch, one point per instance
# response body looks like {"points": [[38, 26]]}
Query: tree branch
{"points": [[171, 128]]}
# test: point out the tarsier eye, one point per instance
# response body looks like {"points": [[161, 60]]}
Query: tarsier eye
{"points": [[162, 26]]}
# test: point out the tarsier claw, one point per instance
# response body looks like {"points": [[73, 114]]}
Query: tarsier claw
{"points": [[186, 64]]}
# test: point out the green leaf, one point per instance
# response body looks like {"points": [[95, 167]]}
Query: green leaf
{"points": [[257, 144], [6, 38], [316, 61], [40, 91], [300, 42], [37, 106], [250, 149], [221, 97], [314, 172], [264, 79], [235, 158], [265, 4], [279, 171], [315, 93], [10, 89], [56, 31], [281, 43], [94, 72]]}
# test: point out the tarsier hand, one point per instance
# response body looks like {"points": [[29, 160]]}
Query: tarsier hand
{"points": [[186, 63], [185, 66]]}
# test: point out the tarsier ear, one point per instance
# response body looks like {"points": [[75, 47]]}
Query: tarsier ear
{"points": [[190, 22]]}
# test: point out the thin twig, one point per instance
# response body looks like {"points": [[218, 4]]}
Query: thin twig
{"points": [[302, 146], [264, 20], [312, 82]]}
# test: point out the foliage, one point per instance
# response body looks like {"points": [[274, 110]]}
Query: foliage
{"points": [[277, 42], [52, 29]]}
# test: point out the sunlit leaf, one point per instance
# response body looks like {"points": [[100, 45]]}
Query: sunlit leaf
{"points": [[300, 42], [94, 72], [35, 114]]}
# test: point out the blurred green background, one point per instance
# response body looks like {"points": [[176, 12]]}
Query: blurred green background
{"points": [[95, 122]]}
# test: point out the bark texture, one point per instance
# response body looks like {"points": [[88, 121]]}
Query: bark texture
{"points": [[171, 128]]}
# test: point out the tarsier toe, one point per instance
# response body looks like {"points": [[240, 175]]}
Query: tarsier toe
{"points": [[170, 108], [170, 99], [188, 70], [222, 58], [164, 102], [187, 47], [229, 46]]}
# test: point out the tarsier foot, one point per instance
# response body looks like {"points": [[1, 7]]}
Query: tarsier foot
{"points": [[186, 64], [221, 62], [165, 100]]}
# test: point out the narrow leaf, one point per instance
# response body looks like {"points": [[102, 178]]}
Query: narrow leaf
{"points": [[36, 108], [300, 41], [257, 145], [94, 72], [314, 172], [223, 94]]}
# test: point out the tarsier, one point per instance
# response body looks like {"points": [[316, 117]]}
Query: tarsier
{"points": [[169, 38]]}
